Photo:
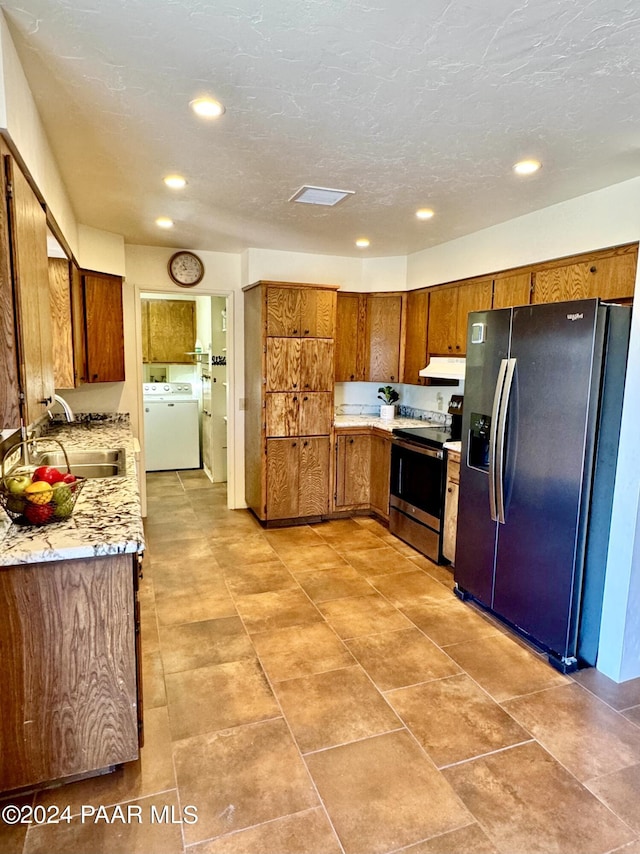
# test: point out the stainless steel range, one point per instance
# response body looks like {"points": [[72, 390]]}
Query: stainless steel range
{"points": [[417, 488]]}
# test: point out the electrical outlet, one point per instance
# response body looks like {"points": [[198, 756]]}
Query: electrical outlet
{"points": [[440, 401], [242, 404]]}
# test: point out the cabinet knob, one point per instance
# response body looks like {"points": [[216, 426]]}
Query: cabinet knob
{"points": [[449, 347], [351, 441], [449, 490], [95, 376], [351, 377], [306, 331], [46, 400], [294, 385], [304, 444], [295, 398], [457, 346], [305, 398], [593, 269], [295, 331], [392, 378], [294, 444]]}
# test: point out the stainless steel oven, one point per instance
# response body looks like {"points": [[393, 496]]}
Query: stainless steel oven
{"points": [[417, 489]]}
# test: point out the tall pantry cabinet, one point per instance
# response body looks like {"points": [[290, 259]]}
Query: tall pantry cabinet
{"points": [[289, 378]]}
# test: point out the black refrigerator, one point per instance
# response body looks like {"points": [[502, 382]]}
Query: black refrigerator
{"points": [[543, 402]]}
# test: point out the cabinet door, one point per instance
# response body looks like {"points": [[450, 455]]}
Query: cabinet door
{"points": [[283, 364], [61, 322], [353, 470], [172, 330], [512, 290], [31, 285], [350, 320], [317, 313], [561, 283], [104, 328], [282, 478], [450, 521], [476, 296], [9, 381], [316, 364], [614, 277], [443, 307], [79, 334], [283, 312], [315, 414], [281, 413], [313, 485], [380, 474], [384, 316], [415, 353]]}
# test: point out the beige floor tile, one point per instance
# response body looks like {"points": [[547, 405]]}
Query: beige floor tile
{"points": [[582, 732], [633, 715], [383, 794], [213, 698], [151, 774], [554, 812], [333, 708], [276, 609], [632, 848], [174, 557], [115, 837], [240, 778], [333, 583], [620, 791], [467, 840], [194, 603], [449, 621], [192, 645], [619, 695], [288, 540], [376, 561], [153, 690], [300, 650], [253, 548], [314, 558], [455, 720], [227, 524], [259, 578], [306, 832], [362, 615], [408, 588], [443, 574], [357, 540], [504, 668], [400, 658]]}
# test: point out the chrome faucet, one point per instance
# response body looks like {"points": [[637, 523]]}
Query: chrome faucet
{"points": [[68, 414]]}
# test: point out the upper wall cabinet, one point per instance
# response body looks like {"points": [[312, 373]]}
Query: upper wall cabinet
{"points": [[62, 327], [609, 277], [30, 271], [300, 312], [9, 380], [511, 290], [350, 337], [415, 349], [168, 330], [384, 320], [103, 323], [448, 310]]}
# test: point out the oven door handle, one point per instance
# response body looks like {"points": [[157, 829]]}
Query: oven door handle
{"points": [[418, 449]]}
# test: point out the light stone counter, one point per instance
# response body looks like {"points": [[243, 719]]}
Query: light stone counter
{"points": [[453, 446], [382, 423], [107, 517]]}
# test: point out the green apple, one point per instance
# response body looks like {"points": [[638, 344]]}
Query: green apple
{"points": [[61, 493], [18, 483]]}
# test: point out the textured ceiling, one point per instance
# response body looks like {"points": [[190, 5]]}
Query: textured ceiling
{"points": [[411, 103]]}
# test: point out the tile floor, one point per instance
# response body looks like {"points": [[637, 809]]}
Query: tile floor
{"points": [[319, 690]]}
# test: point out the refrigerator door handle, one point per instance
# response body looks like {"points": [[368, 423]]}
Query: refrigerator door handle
{"points": [[500, 439], [493, 434]]}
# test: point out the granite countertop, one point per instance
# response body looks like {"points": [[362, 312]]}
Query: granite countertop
{"points": [[453, 446], [107, 518], [382, 423]]}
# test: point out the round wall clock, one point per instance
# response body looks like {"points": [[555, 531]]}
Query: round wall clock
{"points": [[186, 269]]}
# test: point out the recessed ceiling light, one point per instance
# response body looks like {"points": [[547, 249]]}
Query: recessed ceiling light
{"points": [[320, 195], [164, 222], [207, 108], [424, 213], [362, 242], [526, 167], [176, 182]]}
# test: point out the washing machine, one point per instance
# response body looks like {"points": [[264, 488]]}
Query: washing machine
{"points": [[171, 427]]}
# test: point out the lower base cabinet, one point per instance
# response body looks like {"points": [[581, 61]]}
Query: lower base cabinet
{"points": [[297, 477], [70, 701], [451, 507], [362, 471]]}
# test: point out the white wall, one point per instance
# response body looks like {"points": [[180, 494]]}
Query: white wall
{"points": [[597, 220], [102, 251]]}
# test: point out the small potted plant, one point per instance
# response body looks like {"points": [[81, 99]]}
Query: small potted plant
{"points": [[389, 396]]}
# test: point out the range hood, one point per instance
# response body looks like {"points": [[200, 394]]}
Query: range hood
{"points": [[444, 368]]}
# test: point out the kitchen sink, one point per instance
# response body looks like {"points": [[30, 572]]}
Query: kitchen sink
{"points": [[101, 462]]}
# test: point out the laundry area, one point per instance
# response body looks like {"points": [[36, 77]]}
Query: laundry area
{"points": [[184, 389]]}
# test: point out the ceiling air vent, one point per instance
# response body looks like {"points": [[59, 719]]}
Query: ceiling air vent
{"points": [[320, 196]]}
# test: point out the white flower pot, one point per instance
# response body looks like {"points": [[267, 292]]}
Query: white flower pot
{"points": [[387, 411]]}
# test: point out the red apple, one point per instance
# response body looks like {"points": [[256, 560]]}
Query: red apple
{"points": [[48, 474], [69, 478], [38, 514]]}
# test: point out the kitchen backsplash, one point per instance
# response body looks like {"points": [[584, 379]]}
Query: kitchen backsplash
{"points": [[427, 403]]}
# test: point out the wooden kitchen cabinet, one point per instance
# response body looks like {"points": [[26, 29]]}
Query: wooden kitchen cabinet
{"points": [[168, 330], [383, 319], [289, 379], [380, 472], [451, 507], [512, 290], [69, 668], [475, 296], [610, 277], [104, 325], [30, 274], [415, 350], [353, 471], [448, 310], [351, 315], [9, 379], [300, 312]]}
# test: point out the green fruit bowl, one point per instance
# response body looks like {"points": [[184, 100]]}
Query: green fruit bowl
{"points": [[29, 502]]}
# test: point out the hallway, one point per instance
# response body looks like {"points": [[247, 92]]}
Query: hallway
{"points": [[318, 690]]}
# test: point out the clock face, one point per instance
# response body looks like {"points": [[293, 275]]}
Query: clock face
{"points": [[186, 269]]}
